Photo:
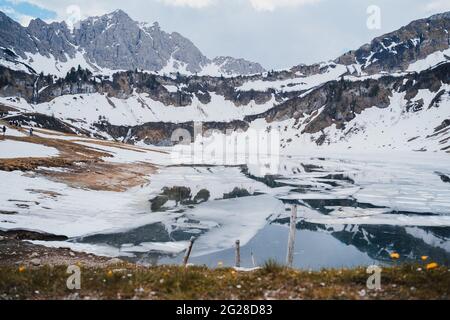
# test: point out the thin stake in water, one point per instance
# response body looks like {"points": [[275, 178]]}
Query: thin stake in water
{"points": [[188, 251], [238, 254], [291, 242]]}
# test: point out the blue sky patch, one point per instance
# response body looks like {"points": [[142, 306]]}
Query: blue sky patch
{"points": [[19, 10]]}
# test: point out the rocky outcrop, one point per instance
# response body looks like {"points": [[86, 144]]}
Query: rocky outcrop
{"points": [[40, 88], [17, 84], [43, 121], [232, 66], [160, 133]]}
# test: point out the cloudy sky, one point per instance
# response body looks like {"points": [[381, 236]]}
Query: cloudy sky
{"points": [[276, 33]]}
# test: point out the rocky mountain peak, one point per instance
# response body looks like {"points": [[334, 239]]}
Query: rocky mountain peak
{"points": [[113, 41], [444, 15], [230, 65], [37, 23]]}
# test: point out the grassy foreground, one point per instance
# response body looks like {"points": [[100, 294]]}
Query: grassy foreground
{"points": [[271, 282]]}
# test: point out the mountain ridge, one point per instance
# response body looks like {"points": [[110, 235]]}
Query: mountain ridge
{"points": [[111, 42], [391, 93]]}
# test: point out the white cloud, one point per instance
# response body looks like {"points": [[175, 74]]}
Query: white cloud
{"points": [[189, 3], [24, 20], [73, 15], [271, 5], [438, 6], [63, 8]]}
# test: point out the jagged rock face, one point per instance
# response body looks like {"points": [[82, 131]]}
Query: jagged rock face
{"points": [[54, 39], [13, 35], [38, 37], [160, 133], [114, 41], [395, 51], [345, 100], [16, 84]]}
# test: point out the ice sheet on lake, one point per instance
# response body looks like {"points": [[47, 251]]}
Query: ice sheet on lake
{"points": [[77, 212], [166, 247], [238, 219], [359, 216], [408, 184], [56, 208]]}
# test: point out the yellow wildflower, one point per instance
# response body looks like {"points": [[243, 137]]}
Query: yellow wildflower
{"points": [[395, 255], [432, 266]]}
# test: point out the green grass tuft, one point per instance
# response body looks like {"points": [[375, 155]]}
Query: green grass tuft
{"points": [[273, 267]]}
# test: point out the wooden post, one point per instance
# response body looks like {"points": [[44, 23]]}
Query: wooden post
{"points": [[291, 242], [253, 260], [238, 254], [188, 251]]}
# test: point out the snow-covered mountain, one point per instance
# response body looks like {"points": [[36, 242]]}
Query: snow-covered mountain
{"points": [[393, 93], [110, 43], [419, 45]]}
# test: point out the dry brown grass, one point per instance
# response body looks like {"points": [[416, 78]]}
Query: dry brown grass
{"points": [[85, 167], [104, 279], [198, 283], [104, 176]]}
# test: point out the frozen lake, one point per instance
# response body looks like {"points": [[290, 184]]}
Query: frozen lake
{"points": [[350, 213]]}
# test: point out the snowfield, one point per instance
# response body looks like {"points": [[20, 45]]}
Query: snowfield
{"points": [[430, 61], [72, 212], [10, 149]]}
